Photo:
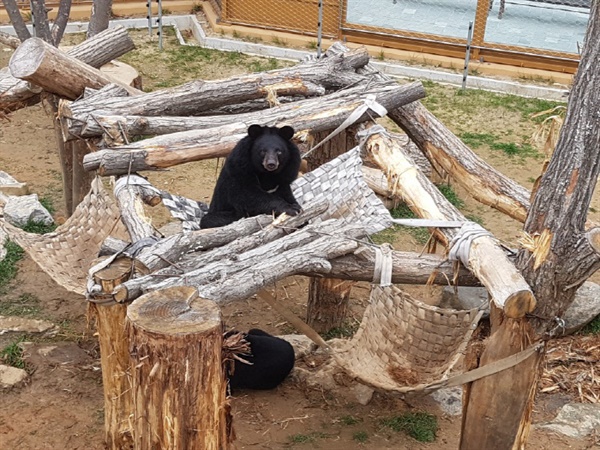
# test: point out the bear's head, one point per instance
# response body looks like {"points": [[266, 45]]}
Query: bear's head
{"points": [[270, 149]]}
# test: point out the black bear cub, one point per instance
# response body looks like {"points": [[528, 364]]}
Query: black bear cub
{"points": [[272, 360], [256, 178]]}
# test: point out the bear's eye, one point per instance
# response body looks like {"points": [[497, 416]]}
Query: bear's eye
{"points": [[279, 152], [263, 153]]}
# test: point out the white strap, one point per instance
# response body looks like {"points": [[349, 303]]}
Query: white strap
{"points": [[133, 180], [430, 223], [384, 264], [460, 245], [370, 102]]}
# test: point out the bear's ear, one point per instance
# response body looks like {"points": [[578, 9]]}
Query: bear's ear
{"points": [[255, 131], [286, 132]]}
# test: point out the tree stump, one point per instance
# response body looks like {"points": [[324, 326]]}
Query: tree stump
{"points": [[179, 387], [114, 358]]}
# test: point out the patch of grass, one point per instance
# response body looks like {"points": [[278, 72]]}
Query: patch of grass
{"points": [[26, 305], [450, 195], [592, 328], [312, 45], [476, 140], [474, 218], [12, 355], [38, 227], [343, 332], [381, 55], [418, 425], [306, 438], [360, 437], [278, 41], [402, 211], [48, 203], [263, 66], [196, 8], [8, 266], [350, 420]]}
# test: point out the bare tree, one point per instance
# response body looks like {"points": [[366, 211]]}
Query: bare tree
{"points": [[559, 255], [101, 12], [39, 14]]}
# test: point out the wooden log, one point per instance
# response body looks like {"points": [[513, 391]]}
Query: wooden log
{"points": [[328, 299], [408, 268], [201, 97], [226, 280], [81, 179], [129, 198], [97, 51], [177, 148], [57, 72], [65, 156], [445, 150], [228, 241], [95, 124], [114, 358], [9, 40], [487, 259], [179, 385]]}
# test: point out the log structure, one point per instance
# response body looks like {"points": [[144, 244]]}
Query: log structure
{"points": [[97, 51], [179, 386], [177, 148], [41, 63], [487, 259], [202, 97]]}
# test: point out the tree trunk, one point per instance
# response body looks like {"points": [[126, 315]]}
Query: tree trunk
{"points": [[57, 72], [65, 156], [177, 148], [328, 299], [179, 385], [12, 9], [82, 180], [60, 23], [560, 257], [101, 11], [114, 358], [39, 16]]}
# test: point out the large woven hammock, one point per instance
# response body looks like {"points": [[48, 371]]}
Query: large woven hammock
{"points": [[401, 345]]}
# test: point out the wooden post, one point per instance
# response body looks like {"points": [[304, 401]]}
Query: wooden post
{"points": [[328, 299], [65, 156], [82, 179], [114, 358], [179, 384]]}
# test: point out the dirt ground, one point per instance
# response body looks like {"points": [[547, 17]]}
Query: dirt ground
{"points": [[62, 405]]}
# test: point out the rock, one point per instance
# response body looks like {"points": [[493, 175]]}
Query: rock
{"points": [[11, 376], [10, 186], [19, 210], [584, 308], [302, 344], [25, 325], [465, 297], [576, 420], [363, 393], [449, 400]]}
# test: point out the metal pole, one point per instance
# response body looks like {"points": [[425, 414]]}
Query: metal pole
{"points": [[320, 28], [149, 17], [159, 21], [467, 56], [34, 34]]}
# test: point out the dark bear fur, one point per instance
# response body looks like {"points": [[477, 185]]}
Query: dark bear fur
{"points": [[272, 360], [256, 178]]}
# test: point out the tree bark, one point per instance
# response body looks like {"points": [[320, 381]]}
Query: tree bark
{"points": [[56, 71], [179, 385], [60, 23], [559, 258], [129, 199], [177, 148], [201, 97], [39, 15], [101, 11], [486, 258], [16, 19], [82, 180]]}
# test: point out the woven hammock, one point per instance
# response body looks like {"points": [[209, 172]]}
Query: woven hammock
{"points": [[405, 345], [67, 253]]}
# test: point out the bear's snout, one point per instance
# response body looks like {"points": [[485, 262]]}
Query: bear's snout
{"points": [[271, 163]]}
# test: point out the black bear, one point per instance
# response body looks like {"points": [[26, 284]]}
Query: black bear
{"points": [[272, 360], [256, 178]]}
